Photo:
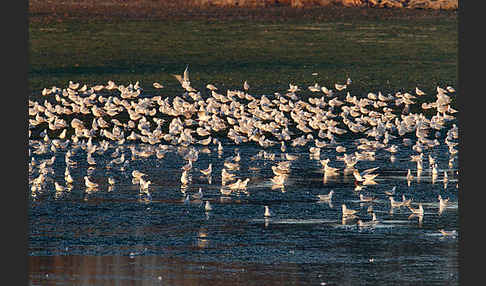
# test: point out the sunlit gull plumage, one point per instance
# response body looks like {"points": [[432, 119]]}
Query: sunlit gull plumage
{"points": [[267, 212], [418, 211], [207, 206], [363, 198], [448, 233], [347, 212], [89, 184], [326, 197], [443, 202], [59, 187], [370, 223], [208, 170]]}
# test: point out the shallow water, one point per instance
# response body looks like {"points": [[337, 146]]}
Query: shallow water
{"points": [[115, 235]]}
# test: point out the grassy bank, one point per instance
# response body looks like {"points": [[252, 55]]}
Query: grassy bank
{"points": [[395, 51]]}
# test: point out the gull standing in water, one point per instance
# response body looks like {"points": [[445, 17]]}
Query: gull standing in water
{"points": [[366, 199], [406, 202], [267, 212], [442, 203], [327, 197], [418, 211], [59, 187], [207, 172], [327, 168], [393, 203], [199, 195], [184, 178], [250, 120], [67, 176], [348, 212], [207, 206], [89, 184], [365, 177], [137, 174], [370, 223], [187, 199], [391, 192], [448, 233]]}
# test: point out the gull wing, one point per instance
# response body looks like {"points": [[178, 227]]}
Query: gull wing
{"points": [[367, 171], [178, 77], [186, 74]]}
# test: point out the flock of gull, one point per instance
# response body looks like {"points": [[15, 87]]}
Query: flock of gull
{"points": [[82, 122]]}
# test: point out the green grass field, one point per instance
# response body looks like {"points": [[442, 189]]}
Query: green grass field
{"points": [[378, 54]]}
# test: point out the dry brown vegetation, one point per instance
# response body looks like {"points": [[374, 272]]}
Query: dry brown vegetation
{"points": [[422, 4], [275, 10]]}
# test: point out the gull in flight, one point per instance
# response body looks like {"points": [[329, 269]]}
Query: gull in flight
{"points": [[184, 80]]}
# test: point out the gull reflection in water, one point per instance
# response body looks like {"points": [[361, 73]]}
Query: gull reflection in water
{"points": [[202, 240], [419, 216]]}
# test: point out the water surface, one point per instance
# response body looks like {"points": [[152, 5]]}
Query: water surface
{"points": [[118, 235]]}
